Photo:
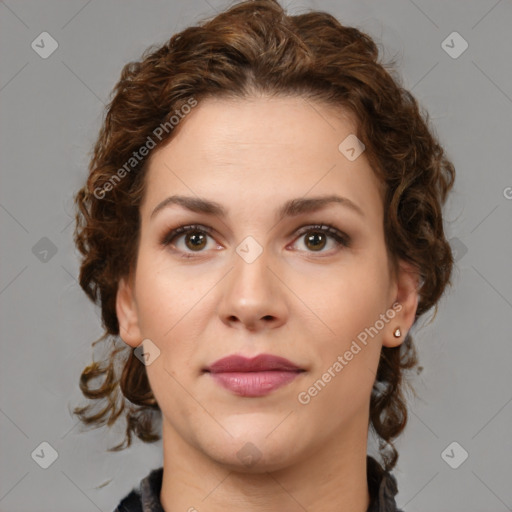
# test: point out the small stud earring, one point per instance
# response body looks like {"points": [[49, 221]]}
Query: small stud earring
{"points": [[397, 333]]}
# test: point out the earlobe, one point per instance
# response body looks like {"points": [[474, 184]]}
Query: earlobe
{"points": [[127, 315], [407, 296]]}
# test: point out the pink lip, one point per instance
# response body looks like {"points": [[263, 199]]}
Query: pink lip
{"points": [[253, 377]]}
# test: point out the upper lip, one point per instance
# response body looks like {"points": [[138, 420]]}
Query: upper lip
{"points": [[260, 363]]}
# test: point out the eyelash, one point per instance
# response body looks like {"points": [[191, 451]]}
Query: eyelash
{"points": [[342, 239]]}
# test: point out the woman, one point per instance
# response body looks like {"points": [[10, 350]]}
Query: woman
{"points": [[262, 227]]}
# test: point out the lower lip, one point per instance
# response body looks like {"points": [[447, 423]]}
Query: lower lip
{"points": [[254, 384]]}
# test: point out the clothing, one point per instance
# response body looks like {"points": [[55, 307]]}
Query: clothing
{"points": [[381, 484]]}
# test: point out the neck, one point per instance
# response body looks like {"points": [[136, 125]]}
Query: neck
{"points": [[329, 479]]}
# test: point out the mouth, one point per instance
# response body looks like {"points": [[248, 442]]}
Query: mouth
{"points": [[253, 377]]}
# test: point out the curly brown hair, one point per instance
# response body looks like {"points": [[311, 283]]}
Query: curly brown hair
{"points": [[254, 46]]}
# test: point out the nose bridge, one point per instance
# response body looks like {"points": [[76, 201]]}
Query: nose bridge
{"points": [[251, 277], [252, 292]]}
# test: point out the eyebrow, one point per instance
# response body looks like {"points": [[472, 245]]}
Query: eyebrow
{"points": [[291, 208]]}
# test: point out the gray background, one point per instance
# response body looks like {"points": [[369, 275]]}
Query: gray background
{"points": [[51, 112]]}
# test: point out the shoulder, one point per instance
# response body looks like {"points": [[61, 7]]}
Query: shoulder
{"points": [[130, 503], [147, 497]]}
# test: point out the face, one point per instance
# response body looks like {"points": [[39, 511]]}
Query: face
{"points": [[310, 283]]}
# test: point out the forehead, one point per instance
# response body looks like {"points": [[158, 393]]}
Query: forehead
{"points": [[273, 123], [260, 147]]}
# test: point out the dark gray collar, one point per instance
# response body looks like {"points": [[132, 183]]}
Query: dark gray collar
{"points": [[382, 486]]}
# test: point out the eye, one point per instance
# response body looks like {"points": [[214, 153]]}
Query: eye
{"points": [[318, 235], [194, 236]]}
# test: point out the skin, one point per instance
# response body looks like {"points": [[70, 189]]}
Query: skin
{"points": [[306, 305]]}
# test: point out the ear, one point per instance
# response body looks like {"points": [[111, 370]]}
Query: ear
{"points": [[127, 315], [405, 304]]}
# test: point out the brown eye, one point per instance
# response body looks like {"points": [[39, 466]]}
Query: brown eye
{"points": [[195, 240], [317, 237], [316, 241]]}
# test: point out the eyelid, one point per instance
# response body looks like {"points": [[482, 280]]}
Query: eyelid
{"points": [[340, 237], [171, 234]]}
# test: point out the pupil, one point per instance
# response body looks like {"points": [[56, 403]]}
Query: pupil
{"points": [[197, 240], [315, 238]]}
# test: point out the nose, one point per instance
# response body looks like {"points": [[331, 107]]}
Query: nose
{"points": [[253, 295]]}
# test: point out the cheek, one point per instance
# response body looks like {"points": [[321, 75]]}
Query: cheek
{"points": [[350, 298], [347, 353], [170, 314], [164, 296], [351, 303], [155, 304]]}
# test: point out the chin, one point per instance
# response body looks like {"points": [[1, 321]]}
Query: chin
{"points": [[253, 450], [252, 458]]}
